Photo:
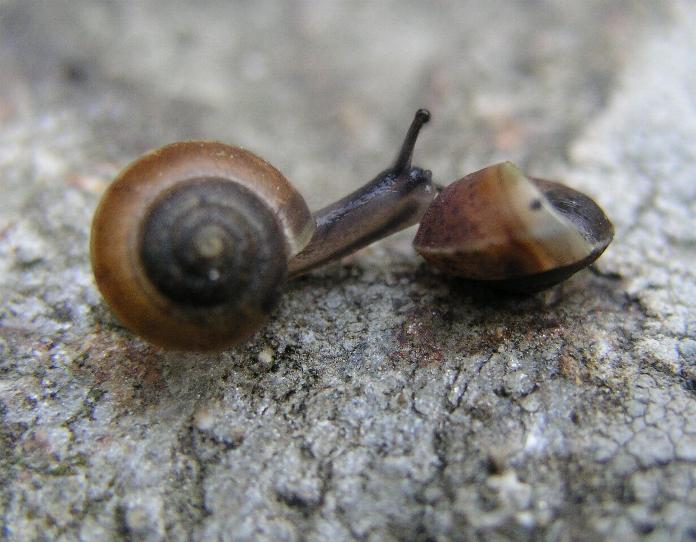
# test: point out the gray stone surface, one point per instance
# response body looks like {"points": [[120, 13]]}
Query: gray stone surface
{"points": [[383, 402]]}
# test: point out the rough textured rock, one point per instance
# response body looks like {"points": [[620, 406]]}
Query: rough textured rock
{"points": [[383, 402]]}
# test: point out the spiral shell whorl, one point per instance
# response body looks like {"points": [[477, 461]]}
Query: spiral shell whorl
{"points": [[209, 242], [190, 243]]}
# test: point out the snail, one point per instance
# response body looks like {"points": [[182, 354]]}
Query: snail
{"points": [[511, 231], [192, 243]]}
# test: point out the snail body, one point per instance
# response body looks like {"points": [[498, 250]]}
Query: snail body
{"points": [[191, 244], [511, 231]]}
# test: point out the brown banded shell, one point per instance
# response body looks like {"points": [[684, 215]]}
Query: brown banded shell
{"points": [[190, 244], [514, 232]]}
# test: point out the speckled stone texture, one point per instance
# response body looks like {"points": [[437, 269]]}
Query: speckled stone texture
{"points": [[383, 402]]}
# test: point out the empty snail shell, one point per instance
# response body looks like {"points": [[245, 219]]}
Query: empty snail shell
{"points": [[514, 232], [192, 243]]}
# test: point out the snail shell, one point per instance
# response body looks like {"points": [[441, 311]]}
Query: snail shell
{"points": [[515, 232], [190, 244]]}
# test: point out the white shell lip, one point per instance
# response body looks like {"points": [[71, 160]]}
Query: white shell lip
{"points": [[540, 222]]}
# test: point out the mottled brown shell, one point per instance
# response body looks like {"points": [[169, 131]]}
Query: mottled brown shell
{"points": [[257, 221], [517, 233]]}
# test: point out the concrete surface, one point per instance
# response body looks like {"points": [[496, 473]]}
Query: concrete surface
{"points": [[383, 402]]}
